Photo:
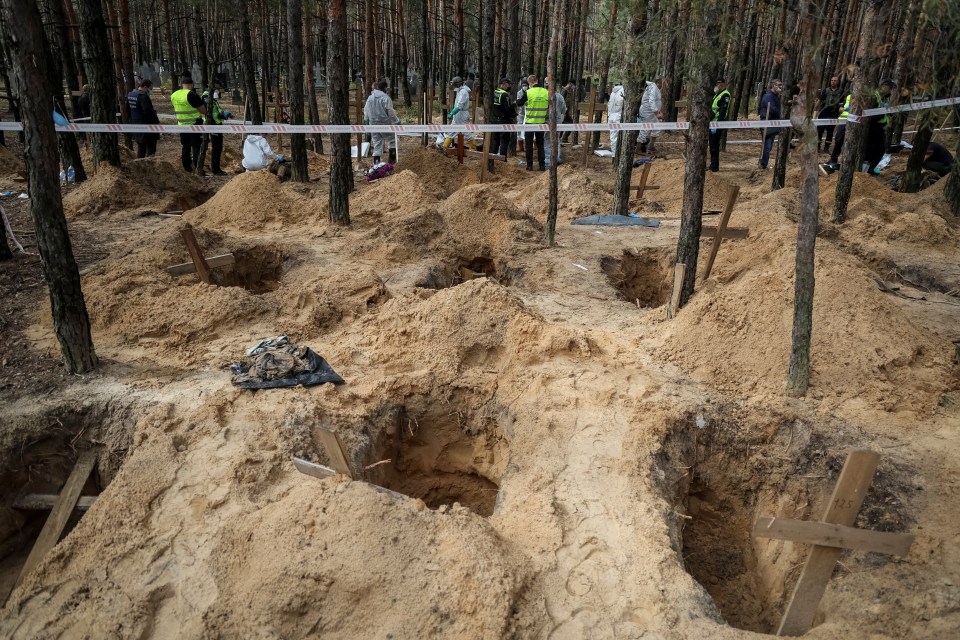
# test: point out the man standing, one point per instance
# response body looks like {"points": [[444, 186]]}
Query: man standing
{"points": [[536, 100], [569, 93], [833, 164], [216, 139], [379, 110], [615, 113], [770, 110], [561, 107], [189, 109], [876, 143], [142, 112], [650, 105], [721, 102], [831, 98], [460, 114], [504, 112]]}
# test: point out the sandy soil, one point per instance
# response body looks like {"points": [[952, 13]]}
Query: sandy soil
{"points": [[571, 463]]}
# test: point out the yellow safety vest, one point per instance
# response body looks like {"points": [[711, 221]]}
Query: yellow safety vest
{"points": [[538, 100], [846, 108], [186, 115]]}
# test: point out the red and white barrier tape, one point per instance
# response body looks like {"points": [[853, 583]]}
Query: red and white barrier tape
{"points": [[466, 128]]}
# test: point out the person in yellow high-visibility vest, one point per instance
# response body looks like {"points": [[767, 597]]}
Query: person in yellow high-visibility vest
{"points": [[189, 109], [536, 99]]}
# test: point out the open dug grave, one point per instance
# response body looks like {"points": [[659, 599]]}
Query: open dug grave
{"points": [[722, 477], [641, 277]]}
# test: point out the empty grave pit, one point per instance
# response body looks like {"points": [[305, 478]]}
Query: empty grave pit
{"points": [[642, 277], [258, 269], [442, 458], [719, 480]]}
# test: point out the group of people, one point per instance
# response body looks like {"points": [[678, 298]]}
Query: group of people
{"points": [[190, 109], [651, 111]]}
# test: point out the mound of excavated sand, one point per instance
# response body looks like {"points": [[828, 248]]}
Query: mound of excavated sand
{"points": [[735, 332], [140, 184], [257, 200], [400, 192], [9, 162], [578, 195], [440, 175], [476, 221]]}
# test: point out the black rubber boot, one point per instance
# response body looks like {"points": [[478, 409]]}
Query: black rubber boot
{"points": [[393, 156], [376, 159]]}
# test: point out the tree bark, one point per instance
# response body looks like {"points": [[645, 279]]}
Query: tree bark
{"points": [[703, 62], [554, 139], [633, 91], [786, 134], [338, 99], [103, 101], [866, 76], [249, 77], [298, 141], [310, 82], [31, 69], [798, 373], [66, 142]]}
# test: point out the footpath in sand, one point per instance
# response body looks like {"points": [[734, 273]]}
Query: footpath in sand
{"points": [[575, 464]]}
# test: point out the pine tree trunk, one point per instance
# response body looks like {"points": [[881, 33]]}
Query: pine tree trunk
{"points": [[298, 141], [798, 373], [404, 55], [66, 142], [633, 92], [951, 190], [866, 76], [554, 139], [103, 99], [703, 62], [61, 39], [168, 32], [31, 70], [249, 76], [512, 27], [605, 67], [5, 253], [310, 84], [786, 134], [338, 98], [911, 179]]}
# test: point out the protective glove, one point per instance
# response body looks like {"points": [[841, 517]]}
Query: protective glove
{"points": [[227, 115], [713, 130], [396, 121], [366, 121], [281, 159], [454, 112]]}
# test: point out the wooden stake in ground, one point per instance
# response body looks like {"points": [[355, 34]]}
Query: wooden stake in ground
{"points": [[486, 157], [330, 440], [679, 272], [830, 536], [643, 186]]}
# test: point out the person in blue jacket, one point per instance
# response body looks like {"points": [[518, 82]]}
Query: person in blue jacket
{"points": [[770, 110]]}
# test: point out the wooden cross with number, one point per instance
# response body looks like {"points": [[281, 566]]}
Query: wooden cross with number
{"points": [[829, 537]]}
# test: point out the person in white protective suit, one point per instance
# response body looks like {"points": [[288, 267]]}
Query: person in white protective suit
{"points": [[379, 110], [650, 111], [615, 113], [561, 113], [460, 114]]}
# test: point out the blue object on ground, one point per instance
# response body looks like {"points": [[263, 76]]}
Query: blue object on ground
{"points": [[631, 220], [59, 120]]}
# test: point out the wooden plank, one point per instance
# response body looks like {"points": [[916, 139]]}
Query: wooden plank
{"points": [[679, 273], [460, 148], [213, 262], [44, 501], [203, 270], [60, 513], [730, 233], [312, 468], [724, 219], [330, 440], [486, 156], [845, 503], [832, 535]]}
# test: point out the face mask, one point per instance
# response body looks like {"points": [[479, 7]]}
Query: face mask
{"points": [[216, 95], [716, 88]]}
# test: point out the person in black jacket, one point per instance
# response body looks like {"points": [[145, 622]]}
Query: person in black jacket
{"points": [[142, 112], [504, 112], [770, 110]]}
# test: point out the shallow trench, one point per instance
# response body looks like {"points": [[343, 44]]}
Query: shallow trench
{"points": [[641, 277]]}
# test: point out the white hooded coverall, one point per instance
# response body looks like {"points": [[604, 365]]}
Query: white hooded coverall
{"points": [[615, 113], [650, 106], [379, 110]]}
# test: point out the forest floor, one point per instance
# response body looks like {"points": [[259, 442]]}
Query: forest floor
{"points": [[577, 465]]}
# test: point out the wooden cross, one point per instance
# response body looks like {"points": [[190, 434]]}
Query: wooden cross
{"points": [[829, 537], [337, 453], [60, 513], [643, 186], [732, 195], [198, 263]]}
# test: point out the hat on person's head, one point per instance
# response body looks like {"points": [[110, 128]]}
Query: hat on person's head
{"points": [[456, 80], [721, 81], [887, 82], [186, 80], [505, 80]]}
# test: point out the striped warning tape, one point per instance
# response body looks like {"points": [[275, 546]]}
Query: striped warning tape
{"points": [[466, 128]]}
